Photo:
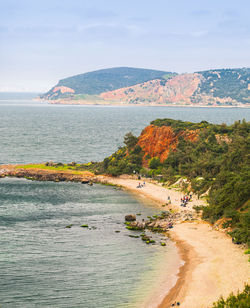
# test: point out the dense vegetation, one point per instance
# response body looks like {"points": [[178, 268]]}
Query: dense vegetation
{"points": [[127, 160], [226, 83], [217, 163], [178, 125], [110, 79], [241, 300]]}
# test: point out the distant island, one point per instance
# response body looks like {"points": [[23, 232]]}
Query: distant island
{"points": [[136, 86]]}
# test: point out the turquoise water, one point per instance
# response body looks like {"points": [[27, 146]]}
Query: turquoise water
{"points": [[44, 264]]}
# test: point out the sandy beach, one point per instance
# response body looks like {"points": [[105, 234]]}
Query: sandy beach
{"points": [[151, 191], [213, 265]]}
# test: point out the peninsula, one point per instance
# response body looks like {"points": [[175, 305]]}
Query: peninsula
{"points": [[145, 87]]}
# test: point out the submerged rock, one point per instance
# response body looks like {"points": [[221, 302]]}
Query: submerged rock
{"points": [[69, 226]]}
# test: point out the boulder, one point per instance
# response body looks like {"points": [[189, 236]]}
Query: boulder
{"points": [[130, 217]]}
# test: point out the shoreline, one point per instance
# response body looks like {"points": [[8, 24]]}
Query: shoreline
{"points": [[121, 104], [190, 259], [213, 265]]}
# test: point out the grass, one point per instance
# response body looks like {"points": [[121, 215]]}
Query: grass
{"points": [[55, 168]]}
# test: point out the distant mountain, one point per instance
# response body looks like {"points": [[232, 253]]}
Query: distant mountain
{"points": [[221, 87], [97, 82]]}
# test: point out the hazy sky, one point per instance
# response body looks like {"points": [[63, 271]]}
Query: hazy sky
{"points": [[42, 41]]}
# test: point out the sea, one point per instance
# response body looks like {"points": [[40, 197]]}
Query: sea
{"points": [[44, 263]]}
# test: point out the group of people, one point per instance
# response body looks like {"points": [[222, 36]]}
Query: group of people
{"points": [[185, 200], [141, 185]]}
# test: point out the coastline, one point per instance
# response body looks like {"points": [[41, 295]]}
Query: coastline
{"points": [[122, 104], [213, 265], [190, 259]]}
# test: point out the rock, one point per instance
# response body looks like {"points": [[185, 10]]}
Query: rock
{"points": [[85, 181], [130, 217], [69, 226]]}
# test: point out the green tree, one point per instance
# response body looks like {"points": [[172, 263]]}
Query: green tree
{"points": [[130, 140]]}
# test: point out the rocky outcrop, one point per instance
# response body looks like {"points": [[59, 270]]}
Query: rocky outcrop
{"points": [[162, 222], [47, 175], [157, 141]]}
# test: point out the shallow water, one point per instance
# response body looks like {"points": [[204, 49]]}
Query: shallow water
{"points": [[44, 264]]}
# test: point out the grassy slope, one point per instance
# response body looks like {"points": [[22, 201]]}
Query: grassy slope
{"points": [[77, 169]]}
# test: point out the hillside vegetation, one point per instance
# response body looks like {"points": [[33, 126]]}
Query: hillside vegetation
{"points": [[215, 162], [226, 83], [109, 79]]}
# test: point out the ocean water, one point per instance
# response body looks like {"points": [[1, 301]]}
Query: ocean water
{"points": [[37, 132], [44, 264]]}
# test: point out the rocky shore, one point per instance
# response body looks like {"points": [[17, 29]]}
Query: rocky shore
{"points": [[47, 175]]}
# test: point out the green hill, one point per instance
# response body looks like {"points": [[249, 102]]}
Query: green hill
{"points": [[104, 80]]}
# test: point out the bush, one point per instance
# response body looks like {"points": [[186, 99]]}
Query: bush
{"points": [[154, 163], [130, 140], [241, 300]]}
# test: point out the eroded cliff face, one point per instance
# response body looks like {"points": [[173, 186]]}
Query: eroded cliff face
{"points": [[177, 90], [157, 141]]}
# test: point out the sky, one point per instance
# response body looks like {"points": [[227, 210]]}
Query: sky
{"points": [[42, 41]]}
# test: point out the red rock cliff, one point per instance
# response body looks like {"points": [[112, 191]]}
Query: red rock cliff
{"points": [[158, 141]]}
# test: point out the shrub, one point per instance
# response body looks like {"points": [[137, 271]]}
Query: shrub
{"points": [[241, 300], [154, 163]]}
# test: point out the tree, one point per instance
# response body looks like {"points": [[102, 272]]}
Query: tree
{"points": [[154, 163], [130, 140]]}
